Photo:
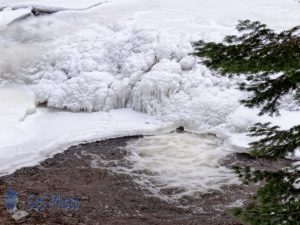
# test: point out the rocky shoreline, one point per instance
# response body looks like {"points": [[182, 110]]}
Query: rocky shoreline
{"points": [[107, 197]]}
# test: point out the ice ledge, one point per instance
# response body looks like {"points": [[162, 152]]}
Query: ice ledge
{"points": [[51, 5], [10, 13]]}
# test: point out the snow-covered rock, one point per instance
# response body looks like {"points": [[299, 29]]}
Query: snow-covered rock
{"points": [[188, 62]]}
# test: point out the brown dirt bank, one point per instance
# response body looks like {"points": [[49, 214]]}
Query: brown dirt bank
{"points": [[110, 198]]}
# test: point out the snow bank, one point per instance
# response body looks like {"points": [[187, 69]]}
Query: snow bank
{"points": [[15, 103], [48, 132]]}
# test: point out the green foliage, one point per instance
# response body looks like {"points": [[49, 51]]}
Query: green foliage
{"points": [[271, 63], [274, 143], [258, 52], [257, 49], [277, 202], [268, 91]]}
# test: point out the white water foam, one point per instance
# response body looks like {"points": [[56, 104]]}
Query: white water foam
{"points": [[174, 165]]}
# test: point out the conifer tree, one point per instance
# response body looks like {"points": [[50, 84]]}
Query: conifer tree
{"points": [[271, 63]]}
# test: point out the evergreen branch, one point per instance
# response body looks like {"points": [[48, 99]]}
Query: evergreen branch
{"points": [[271, 63], [277, 202], [274, 142], [268, 91], [258, 52]]}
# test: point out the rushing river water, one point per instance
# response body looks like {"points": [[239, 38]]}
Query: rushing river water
{"points": [[176, 164]]}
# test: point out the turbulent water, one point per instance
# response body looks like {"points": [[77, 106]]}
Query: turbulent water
{"points": [[176, 165]]}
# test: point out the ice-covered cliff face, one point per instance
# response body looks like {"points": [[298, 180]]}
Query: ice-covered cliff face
{"points": [[133, 54]]}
